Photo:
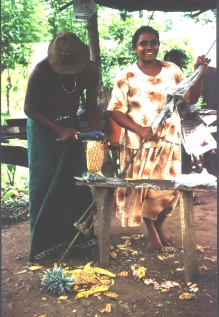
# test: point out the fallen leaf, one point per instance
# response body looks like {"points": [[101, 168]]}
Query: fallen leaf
{"points": [[103, 271], [193, 285], [167, 284], [113, 255], [157, 286], [186, 296], [170, 249], [149, 281], [85, 294], [176, 284], [199, 248], [204, 267], [21, 272], [214, 258], [108, 309], [126, 238], [137, 236], [123, 273], [165, 290], [111, 294], [127, 243], [44, 298], [36, 267], [135, 253], [63, 297], [180, 269], [194, 289], [122, 247]]}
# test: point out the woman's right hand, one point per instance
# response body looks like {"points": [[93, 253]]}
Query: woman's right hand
{"points": [[146, 133], [68, 134]]}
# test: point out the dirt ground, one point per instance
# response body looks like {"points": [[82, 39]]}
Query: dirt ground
{"points": [[22, 291]]}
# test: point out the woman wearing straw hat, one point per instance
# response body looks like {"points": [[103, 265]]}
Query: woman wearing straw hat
{"points": [[51, 104]]}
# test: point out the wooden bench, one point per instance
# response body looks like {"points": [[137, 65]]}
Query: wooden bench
{"points": [[104, 191]]}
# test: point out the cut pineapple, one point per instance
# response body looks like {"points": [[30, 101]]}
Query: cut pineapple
{"points": [[95, 156]]}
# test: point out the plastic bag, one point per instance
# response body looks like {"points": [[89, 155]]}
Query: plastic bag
{"points": [[195, 179]]}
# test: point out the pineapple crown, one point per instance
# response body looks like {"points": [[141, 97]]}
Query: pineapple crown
{"points": [[57, 282]]}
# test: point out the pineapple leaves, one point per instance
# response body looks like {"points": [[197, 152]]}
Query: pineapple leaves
{"points": [[57, 282]]}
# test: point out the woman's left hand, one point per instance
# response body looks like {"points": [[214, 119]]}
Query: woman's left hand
{"points": [[203, 60]]}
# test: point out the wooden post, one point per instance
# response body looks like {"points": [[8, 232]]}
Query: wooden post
{"points": [[93, 43], [104, 205], [188, 236]]}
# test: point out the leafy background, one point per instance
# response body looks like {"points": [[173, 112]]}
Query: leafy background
{"points": [[29, 25]]}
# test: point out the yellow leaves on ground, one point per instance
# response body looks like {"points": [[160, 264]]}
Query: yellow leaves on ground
{"points": [[44, 298], [92, 290], [138, 271], [113, 255], [186, 296], [212, 259], [108, 309], [90, 280], [123, 273], [63, 297], [200, 248], [111, 294], [36, 267]]}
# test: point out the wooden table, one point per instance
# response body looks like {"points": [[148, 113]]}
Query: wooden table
{"points": [[104, 191]]}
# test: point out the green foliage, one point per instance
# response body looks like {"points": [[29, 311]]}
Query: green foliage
{"points": [[57, 282], [13, 204], [200, 103], [10, 169], [116, 47], [203, 18], [14, 176], [23, 22]]}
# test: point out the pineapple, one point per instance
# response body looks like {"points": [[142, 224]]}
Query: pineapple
{"points": [[95, 156], [57, 282]]}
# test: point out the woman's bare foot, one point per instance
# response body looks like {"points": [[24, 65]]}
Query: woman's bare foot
{"points": [[165, 238]]}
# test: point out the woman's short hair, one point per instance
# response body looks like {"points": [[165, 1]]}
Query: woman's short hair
{"points": [[142, 29]]}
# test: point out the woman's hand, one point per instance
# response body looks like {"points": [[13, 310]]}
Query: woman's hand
{"points": [[202, 60], [68, 134], [146, 133]]}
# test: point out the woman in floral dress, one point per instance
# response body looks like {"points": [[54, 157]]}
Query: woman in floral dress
{"points": [[139, 94]]}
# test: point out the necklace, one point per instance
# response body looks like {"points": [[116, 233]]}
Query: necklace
{"points": [[68, 92]]}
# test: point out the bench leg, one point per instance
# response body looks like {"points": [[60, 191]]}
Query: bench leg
{"points": [[104, 198], [188, 236]]}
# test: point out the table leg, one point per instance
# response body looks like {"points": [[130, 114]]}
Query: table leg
{"points": [[104, 198], [188, 236]]}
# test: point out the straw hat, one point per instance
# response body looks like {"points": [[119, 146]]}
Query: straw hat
{"points": [[67, 54]]}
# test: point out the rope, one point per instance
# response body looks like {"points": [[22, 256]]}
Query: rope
{"points": [[210, 48], [130, 161], [150, 18]]}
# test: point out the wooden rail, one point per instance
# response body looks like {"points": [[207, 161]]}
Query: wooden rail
{"points": [[104, 193]]}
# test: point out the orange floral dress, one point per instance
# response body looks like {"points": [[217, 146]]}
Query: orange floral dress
{"points": [[141, 98]]}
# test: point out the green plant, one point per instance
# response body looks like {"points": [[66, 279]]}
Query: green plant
{"points": [[200, 103], [10, 169], [57, 282]]}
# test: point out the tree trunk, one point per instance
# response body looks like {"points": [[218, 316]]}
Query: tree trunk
{"points": [[93, 42]]}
